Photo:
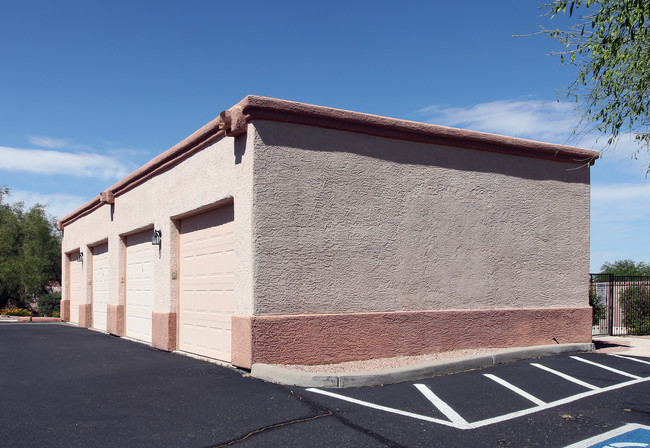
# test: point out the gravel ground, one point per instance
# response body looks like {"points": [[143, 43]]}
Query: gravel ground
{"points": [[403, 361], [386, 363]]}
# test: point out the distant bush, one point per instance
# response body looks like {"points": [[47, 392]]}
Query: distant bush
{"points": [[49, 304], [635, 302], [15, 312], [598, 308]]}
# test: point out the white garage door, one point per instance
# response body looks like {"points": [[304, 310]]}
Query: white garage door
{"points": [[76, 283], [139, 285], [207, 283], [100, 285]]}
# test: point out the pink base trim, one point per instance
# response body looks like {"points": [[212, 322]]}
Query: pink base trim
{"points": [[164, 331], [39, 319], [332, 338], [242, 341], [86, 315], [115, 323], [65, 310]]}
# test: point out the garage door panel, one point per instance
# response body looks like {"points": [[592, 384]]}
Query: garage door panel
{"points": [[139, 286], [76, 272], [217, 217], [206, 302], [100, 285]]}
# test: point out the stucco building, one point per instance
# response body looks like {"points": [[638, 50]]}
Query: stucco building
{"points": [[292, 233]]}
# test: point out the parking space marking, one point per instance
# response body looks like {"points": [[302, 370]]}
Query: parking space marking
{"points": [[631, 359], [565, 376], [382, 408], [443, 407], [553, 404], [515, 389], [611, 369], [458, 422], [625, 434], [488, 421]]}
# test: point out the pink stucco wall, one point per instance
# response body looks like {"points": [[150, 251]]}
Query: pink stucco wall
{"points": [[331, 338]]}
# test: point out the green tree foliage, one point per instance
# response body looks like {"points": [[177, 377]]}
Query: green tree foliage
{"points": [[49, 305], [635, 302], [598, 308], [610, 45], [625, 267], [30, 251]]}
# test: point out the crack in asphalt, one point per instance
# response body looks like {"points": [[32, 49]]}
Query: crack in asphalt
{"points": [[323, 411], [270, 427]]}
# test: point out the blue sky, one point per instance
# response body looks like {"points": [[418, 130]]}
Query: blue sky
{"points": [[89, 91]]}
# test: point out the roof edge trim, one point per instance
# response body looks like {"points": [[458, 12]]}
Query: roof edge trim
{"points": [[195, 142], [264, 108], [234, 121]]}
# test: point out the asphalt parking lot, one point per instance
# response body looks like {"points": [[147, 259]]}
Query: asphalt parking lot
{"points": [[65, 386]]}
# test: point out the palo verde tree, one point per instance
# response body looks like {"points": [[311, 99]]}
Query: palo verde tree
{"points": [[609, 43], [30, 251], [625, 267]]}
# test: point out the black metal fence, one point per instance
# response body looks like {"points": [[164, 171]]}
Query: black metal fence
{"points": [[621, 304]]}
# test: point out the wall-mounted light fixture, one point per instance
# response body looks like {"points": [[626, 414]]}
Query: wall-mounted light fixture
{"points": [[155, 238], [80, 257]]}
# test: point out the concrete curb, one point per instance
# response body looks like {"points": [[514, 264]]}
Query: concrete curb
{"points": [[289, 377], [30, 319]]}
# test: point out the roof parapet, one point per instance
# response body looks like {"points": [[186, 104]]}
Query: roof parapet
{"points": [[234, 121]]}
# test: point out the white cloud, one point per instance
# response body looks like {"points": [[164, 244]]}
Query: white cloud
{"points": [[55, 143], [541, 120], [614, 193], [548, 121], [620, 219], [80, 164], [58, 205], [48, 142]]}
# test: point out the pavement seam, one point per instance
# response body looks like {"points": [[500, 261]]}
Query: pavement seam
{"points": [[270, 427], [350, 424]]}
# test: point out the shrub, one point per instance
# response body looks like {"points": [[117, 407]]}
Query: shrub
{"points": [[15, 312], [598, 308], [49, 304], [635, 302]]}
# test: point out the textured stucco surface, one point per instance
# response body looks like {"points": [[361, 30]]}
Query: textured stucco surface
{"points": [[115, 319], [331, 338], [218, 173], [354, 223], [242, 341], [164, 331], [341, 236], [85, 315], [65, 310]]}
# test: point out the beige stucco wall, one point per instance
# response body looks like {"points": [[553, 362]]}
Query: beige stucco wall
{"points": [[342, 238], [347, 222], [211, 175]]}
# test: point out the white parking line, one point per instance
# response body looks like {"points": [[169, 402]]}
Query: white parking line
{"points": [[489, 421], [565, 376], [515, 389], [382, 408], [593, 441], [611, 369], [452, 415], [631, 359]]}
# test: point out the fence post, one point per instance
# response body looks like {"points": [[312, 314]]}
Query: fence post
{"points": [[610, 305]]}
